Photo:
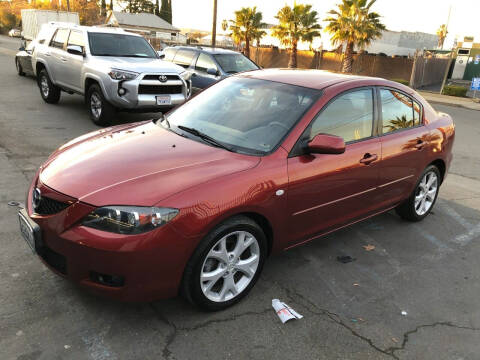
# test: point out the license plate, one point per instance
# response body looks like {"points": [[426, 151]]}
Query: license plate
{"points": [[164, 100], [28, 231]]}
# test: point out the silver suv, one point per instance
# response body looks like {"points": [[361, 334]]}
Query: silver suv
{"points": [[111, 68]]}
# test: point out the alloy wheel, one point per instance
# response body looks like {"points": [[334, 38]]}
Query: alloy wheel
{"points": [[44, 86], [426, 193], [96, 105], [230, 265]]}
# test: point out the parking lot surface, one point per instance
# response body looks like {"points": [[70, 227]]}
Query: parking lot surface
{"points": [[429, 271]]}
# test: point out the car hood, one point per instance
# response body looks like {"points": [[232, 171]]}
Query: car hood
{"points": [[137, 164], [139, 65]]}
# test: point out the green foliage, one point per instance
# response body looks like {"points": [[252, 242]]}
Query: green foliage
{"points": [[166, 11], [247, 26], [138, 6], [402, 81], [354, 22], [8, 20], [454, 90], [299, 23]]}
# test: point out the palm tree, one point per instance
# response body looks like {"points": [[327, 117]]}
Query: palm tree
{"points": [[224, 25], [247, 26], [354, 24], [297, 23], [399, 123], [442, 34]]}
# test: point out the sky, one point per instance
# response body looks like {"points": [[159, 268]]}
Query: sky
{"points": [[408, 15]]}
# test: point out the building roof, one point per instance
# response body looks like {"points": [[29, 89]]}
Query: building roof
{"points": [[140, 20]]}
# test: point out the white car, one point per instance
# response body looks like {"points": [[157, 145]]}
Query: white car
{"points": [[15, 33]]}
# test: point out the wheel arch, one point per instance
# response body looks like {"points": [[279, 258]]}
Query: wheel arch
{"points": [[441, 166]]}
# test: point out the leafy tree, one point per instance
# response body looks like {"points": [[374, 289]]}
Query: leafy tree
{"points": [[354, 24], [442, 34], [157, 8], [224, 25], [247, 26], [111, 5], [166, 11], [103, 8], [138, 6], [297, 23]]}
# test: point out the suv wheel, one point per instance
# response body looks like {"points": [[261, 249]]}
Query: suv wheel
{"points": [[423, 197], [19, 68], [50, 93], [101, 111], [226, 264]]}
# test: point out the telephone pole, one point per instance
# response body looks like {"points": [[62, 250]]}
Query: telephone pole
{"points": [[214, 26]]}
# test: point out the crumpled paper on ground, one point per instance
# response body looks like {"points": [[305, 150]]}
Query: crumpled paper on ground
{"points": [[284, 311]]}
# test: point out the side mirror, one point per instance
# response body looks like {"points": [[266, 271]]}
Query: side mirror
{"points": [[326, 144], [161, 54], [212, 71], [23, 45], [75, 50]]}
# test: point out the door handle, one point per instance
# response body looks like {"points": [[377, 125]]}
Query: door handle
{"points": [[47, 54], [63, 59], [368, 158], [419, 145]]}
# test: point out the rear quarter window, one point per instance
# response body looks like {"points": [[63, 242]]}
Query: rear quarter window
{"points": [[184, 58]]}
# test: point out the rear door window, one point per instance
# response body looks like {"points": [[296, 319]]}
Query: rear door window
{"points": [[59, 38], [184, 58], [169, 54], [399, 111]]}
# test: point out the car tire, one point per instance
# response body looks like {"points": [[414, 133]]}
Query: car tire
{"points": [[19, 68], [223, 267], [49, 92], [100, 110], [421, 201]]}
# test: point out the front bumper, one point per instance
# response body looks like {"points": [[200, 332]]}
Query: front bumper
{"points": [[150, 265], [141, 93]]}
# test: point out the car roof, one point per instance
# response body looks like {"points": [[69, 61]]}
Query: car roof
{"points": [[208, 50], [92, 29], [316, 79]]}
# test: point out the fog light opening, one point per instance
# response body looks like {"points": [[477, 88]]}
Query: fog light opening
{"points": [[107, 280], [122, 91]]}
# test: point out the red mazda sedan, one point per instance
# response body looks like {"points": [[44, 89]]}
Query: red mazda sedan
{"points": [[261, 162]]}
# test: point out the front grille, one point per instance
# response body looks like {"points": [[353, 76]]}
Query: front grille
{"points": [[48, 206], [160, 89], [54, 259], [155, 77]]}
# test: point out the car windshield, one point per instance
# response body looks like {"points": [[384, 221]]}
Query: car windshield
{"points": [[105, 44], [245, 115], [233, 63]]}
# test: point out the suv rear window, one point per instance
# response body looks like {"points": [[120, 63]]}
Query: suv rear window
{"points": [[59, 38], [184, 58]]}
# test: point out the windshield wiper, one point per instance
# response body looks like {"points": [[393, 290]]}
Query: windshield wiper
{"points": [[204, 136]]}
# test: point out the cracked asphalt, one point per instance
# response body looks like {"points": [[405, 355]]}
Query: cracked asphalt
{"points": [[430, 270]]}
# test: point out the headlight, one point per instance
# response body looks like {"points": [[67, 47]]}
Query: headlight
{"points": [[128, 219], [186, 75], [122, 75]]}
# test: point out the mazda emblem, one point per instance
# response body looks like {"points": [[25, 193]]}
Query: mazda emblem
{"points": [[36, 198], [162, 78]]}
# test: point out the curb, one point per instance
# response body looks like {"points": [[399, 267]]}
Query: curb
{"points": [[475, 108]]}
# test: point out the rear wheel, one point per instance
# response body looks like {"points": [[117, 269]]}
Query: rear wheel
{"points": [[101, 111], [19, 68], [49, 92], [226, 264], [421, 202]]}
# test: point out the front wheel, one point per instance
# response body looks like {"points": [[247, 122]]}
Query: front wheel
{"points": [[226, 265], [101, 111], [421, 201]]}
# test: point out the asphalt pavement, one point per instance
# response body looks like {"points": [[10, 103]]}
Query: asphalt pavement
{"points": [[429, 271]]}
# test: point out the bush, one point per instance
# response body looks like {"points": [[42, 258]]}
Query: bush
{"points": [[453, 90], [401, 81]]}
